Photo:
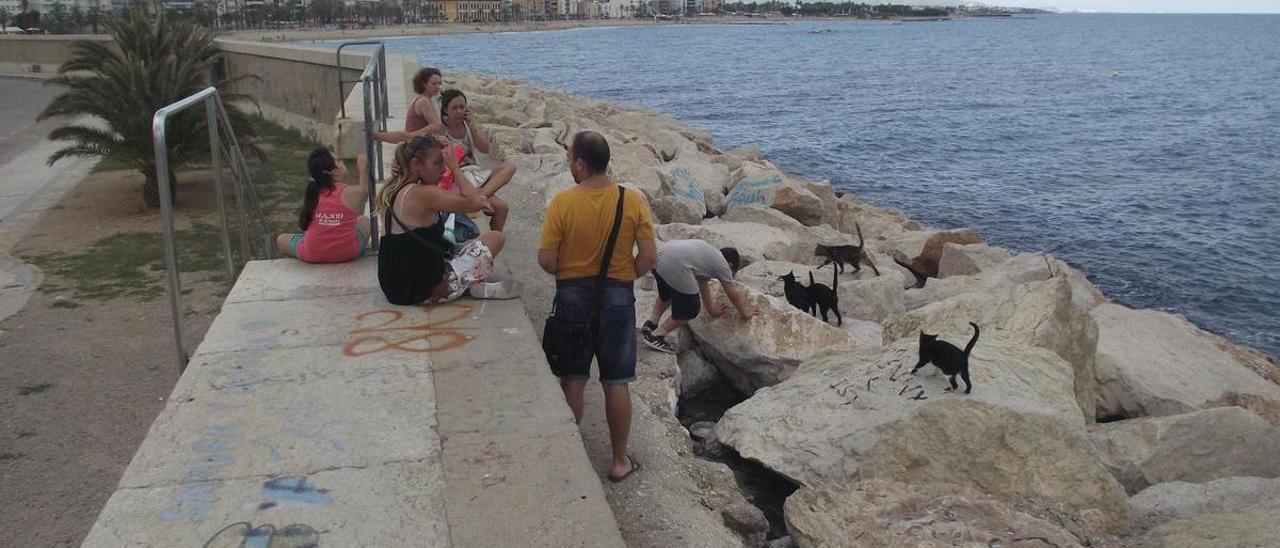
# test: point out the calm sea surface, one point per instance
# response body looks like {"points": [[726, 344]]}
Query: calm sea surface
{"points": [[1143, 149]]}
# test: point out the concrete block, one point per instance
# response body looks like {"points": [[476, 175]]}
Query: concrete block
{"points": [[291, 279], [400, 504], [316, 322], [543, 489], [275, 428]]}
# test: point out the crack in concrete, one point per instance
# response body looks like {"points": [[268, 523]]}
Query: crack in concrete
{"points": [[180, 483]]}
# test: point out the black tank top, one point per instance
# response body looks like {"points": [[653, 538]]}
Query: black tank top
{"points": [[410, 263]]}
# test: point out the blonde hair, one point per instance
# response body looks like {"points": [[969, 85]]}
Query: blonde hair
{"points": [[400, 173]]}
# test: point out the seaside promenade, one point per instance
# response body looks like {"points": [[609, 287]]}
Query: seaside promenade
{"points": [[315, 408]]}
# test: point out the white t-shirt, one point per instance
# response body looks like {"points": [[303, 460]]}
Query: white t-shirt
{"points": [[682, 263]]}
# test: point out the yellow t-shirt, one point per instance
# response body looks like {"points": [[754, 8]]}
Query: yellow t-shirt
{"points": [[578, 223]]}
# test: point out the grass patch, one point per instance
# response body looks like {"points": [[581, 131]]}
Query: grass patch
{"points": [[131, 264], [110, 164], [34, 388]]}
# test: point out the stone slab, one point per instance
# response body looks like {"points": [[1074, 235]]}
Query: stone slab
{"points": [[316, 322], [286, 279], [396, 504], [302, 426]]}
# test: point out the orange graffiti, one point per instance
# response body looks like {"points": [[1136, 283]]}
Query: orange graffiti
{"points": [[428, 337]]}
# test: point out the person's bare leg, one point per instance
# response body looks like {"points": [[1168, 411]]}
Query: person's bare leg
{"points": [[498, 218], [498, 178], [573, 395], [659, 308], [671, 325], [283, 245], [494, 241], [617, 411]]}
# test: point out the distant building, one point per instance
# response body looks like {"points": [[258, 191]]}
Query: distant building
{"points": [[468, 11]]}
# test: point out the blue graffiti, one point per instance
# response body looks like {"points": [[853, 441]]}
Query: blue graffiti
{"points": [[752, 191], [295, 489], [682, 184]]}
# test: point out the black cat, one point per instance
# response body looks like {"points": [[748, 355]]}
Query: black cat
{"points": [[921, 278], [947, 357], [825, 298], [842, 255], [797, 293]]}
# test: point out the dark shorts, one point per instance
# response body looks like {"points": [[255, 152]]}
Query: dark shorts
{"points": [[615, 334], [684, 307]]}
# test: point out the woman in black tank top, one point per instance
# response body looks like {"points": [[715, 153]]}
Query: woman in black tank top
{"points": [[413, 258]]}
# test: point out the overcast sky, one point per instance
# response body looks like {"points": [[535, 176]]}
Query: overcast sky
{"points": [[1150, 6]]}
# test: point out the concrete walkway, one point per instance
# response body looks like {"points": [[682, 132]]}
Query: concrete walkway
{"points": [[313, 410], [29, 185]]}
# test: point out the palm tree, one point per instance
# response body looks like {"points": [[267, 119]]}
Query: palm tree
{"points": [[155, 62]]}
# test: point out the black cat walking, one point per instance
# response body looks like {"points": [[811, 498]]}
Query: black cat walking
{"points": [[947, 357]]}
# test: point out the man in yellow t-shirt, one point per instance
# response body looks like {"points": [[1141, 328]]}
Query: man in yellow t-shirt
{"points": [[574, 235]]}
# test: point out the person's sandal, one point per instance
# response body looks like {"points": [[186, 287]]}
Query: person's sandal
{"points": [[635, 467]]}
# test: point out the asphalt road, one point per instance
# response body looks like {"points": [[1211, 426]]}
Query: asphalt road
{"points": [[23, 100]]}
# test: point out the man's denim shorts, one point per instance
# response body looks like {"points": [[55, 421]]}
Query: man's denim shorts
{"points": [[616, 332]]}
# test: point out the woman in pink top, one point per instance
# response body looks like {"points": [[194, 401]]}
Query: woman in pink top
{"points": [[334, 231], [423, 111]]}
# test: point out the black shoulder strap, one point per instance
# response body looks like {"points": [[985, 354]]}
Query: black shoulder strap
{"points": [[391, 214], [608, 247]]}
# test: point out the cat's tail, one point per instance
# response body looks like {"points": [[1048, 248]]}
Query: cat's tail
{"points": [[969, 347], [810, 278], [861, 242], [835, 279]]}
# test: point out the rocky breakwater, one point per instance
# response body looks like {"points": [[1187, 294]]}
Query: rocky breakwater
{"points": [[1084, 415]]}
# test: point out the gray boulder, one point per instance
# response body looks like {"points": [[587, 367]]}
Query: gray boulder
{"points": [[969, 259], [754, 242], [860, 413], [694, 178], [1152, 363], [1198, 446], [922, 249], [756, 184], [677, 209], [1179, 500]]}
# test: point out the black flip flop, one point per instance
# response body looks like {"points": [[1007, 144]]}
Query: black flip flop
{"points": [[635, 467]]}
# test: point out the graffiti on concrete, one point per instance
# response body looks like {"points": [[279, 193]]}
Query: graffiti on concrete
{"points": [[242, 534], [848, 390], [391, 333], [752, 191], [295, 489]]}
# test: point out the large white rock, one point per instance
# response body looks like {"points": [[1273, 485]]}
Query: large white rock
{"points": [[675, 209], [766, 349], [847, 414], [1198, 446], [1179, 499], [634, 165], [969, 259], [541, 141], [754, 242], [1036, 314], [754, 184], [1245, 529], [877, 223], [1154, 363], [878, 513], [695, 178], [763, 276], [877, 299], [922, 249]]}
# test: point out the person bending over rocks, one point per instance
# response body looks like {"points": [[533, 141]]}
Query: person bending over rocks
{"points": [[416, 263], [683, 270], [575, 234], [458, 122], [333, 230]]}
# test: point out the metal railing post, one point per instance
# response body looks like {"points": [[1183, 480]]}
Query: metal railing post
{"points": [[211, 118], [369, 149]]}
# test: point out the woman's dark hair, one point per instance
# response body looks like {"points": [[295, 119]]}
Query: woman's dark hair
{"points": [[420, 79], [320, 164], [447, 96]]}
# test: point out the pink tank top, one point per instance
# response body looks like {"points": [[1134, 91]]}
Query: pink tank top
{"points": [[331, 236], [414, 121]]}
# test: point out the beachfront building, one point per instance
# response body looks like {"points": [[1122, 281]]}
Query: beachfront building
{"points": [[43, 6], [625, 9], [468, 11]]}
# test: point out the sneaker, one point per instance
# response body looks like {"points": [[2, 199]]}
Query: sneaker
{"points": [[659, 343], [648, 328], [506, 289]]}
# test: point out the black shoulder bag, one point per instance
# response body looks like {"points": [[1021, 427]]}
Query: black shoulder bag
{"points": [[570, 345]]}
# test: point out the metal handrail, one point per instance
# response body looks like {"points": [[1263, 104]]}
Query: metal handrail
{"points": [[374, 81], [222, 141]]}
